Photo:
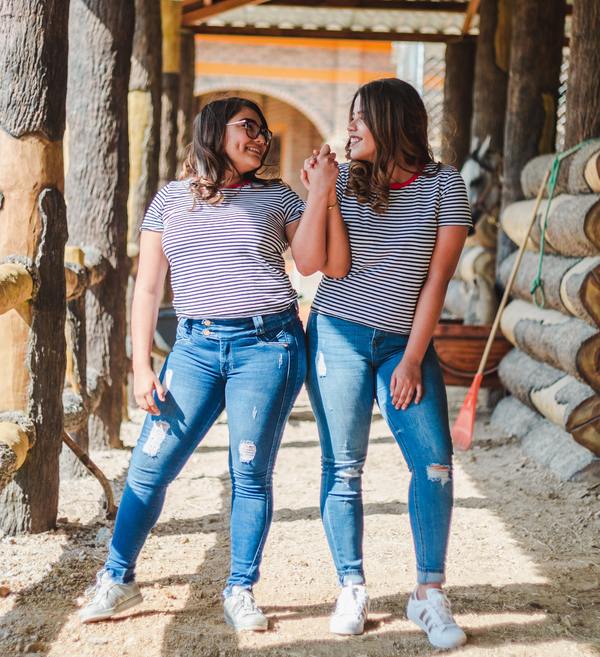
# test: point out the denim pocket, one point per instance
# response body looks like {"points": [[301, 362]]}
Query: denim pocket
{"points": [[277, 336], [183, 334]]}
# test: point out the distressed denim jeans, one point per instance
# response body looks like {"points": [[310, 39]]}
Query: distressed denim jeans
{"points": [[255, 368], [349, 366]]}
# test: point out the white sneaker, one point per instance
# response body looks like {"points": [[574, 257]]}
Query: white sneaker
{"points": [[109, 598], [242, 613], [434, 616], [350, 611]]}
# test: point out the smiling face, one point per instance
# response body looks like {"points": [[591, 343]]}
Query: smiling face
{"points": [[245, 154], [361, 143]]}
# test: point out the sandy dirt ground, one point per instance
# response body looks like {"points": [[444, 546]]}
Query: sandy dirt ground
{"points": [[524, 561]]}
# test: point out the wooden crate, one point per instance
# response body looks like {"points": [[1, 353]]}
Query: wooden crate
{"points": [[460, 347]]}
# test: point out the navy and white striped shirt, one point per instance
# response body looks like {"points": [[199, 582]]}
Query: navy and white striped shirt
{"points": [[391, 252], [226, 260]]}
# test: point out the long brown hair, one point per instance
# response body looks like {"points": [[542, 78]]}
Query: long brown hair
{"points": [[396, 116], [206, 162]]}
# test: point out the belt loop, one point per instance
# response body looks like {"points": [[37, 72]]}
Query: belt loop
{"points": [[259, 324], [188, 325]]}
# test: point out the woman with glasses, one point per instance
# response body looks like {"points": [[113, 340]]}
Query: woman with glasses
{"points": [[369, 339], [222, 231]]}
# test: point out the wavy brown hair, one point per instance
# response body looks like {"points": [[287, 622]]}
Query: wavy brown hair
{"points": [[206, 162], [396, 116]]}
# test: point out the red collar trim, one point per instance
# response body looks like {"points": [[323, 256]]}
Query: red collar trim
{"points": [[237, 185], [400, 185]]}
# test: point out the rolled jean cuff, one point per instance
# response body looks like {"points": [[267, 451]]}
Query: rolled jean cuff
{"points": [[120, 575], [352, 577], [425, 577]]}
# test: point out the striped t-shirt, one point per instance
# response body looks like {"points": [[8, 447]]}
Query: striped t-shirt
{"points": [[391, 252], [226, 260]]}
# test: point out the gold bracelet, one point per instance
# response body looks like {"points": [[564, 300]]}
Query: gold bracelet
{"points": [[330, 207]]}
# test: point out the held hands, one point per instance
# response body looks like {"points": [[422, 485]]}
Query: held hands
{"points": [[320, 171], [406, 383], [144, 383]]}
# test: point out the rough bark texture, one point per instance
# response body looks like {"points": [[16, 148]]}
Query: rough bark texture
{"points": [[533, 174], [571, 405], [583, 98], [168, 128], [100, 34], [535, 59], [70, 465], [571, 286], [171, 53], [491, 73], [556, 339], [584, 172], [458, 102], [185, 111], [572, 226], [144, 103], [547, 444], [33, 55], [475, 261]]}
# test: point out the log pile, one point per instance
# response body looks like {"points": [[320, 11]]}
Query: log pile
{"points": [[553, 373]]}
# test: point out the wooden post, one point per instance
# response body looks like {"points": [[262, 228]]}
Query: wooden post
{"points": [[100, 37], [185, 112], [458, 101], [171, 22], [535, 59], [33, 60], [583, 96], [491, 72], [144, 100]]}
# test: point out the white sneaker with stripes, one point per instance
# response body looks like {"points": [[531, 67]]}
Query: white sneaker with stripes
{"points": [[242, 612], [434, 616], [108, 598], [350, 611]]}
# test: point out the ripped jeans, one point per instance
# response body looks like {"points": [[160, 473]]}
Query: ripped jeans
{"points": [[255, 368], [349, 366]]}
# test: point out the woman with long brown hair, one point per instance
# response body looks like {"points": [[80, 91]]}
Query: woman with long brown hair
{"points": [[222, 231], [369, 339]]}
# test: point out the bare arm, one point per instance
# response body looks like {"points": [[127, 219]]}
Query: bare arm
{"points": [[339, 259], [336, 256], [149, 285], [308, 237], [406, 380]]}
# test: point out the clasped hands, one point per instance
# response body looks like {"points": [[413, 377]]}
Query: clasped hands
{"points": [[320, 172]]}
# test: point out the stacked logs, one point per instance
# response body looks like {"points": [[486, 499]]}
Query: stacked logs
{"points": [[471, 296], [553, 374]]}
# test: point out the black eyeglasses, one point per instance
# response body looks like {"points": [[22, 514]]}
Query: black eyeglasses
{"points": [[253, 129]]}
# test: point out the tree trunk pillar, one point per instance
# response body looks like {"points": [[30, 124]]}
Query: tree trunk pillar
{"points": [[100, 36], [535, 59], [33, 57], [491, 72], [458, 101], [171, 58], [185, 112], [144, 101], [583, 91]]}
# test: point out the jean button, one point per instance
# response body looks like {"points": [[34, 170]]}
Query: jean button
{"points": [[206, 332], [206, 322]]}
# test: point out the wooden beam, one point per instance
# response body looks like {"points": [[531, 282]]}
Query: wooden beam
{"points": [[470, 15], [366, 35], [194, 16], [457, 7]]}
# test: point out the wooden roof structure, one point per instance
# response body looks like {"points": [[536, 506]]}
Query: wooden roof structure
{"points": [[375, 20]]}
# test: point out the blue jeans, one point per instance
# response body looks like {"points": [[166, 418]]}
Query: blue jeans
{"points": [[349, 366], [255, 368]]}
